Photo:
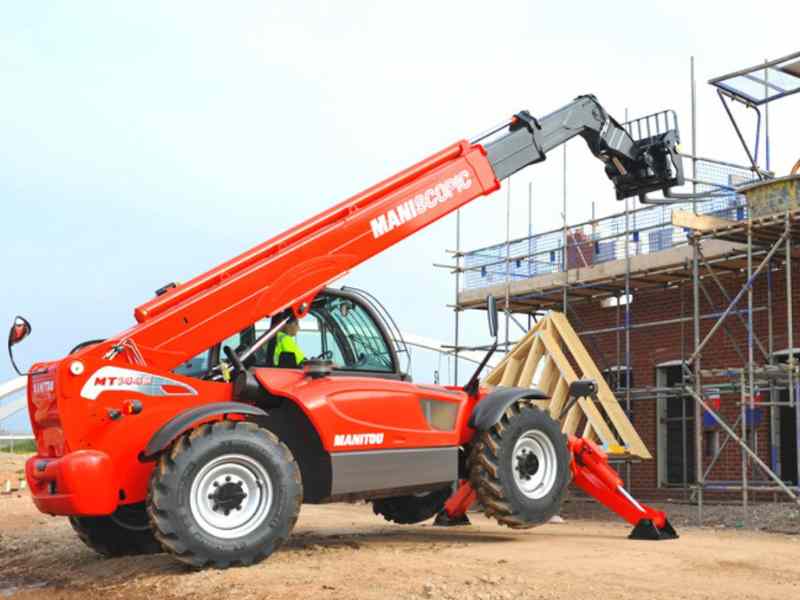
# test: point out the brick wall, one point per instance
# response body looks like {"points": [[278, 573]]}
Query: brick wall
{"points": [[653, 345]]}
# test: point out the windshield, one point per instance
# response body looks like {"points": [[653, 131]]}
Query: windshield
{"points": [[350, 335]]}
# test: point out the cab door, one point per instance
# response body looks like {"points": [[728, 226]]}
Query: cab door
{"points": [[354, 336], [358, 343]]}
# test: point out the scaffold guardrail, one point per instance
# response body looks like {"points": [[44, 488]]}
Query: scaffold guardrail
{"points": [[649, 229]]}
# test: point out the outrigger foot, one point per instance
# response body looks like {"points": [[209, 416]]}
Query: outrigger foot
{"points": [[647, 530], [444, 520]]}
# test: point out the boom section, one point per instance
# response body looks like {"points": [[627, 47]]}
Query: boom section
{"points": [[636, 167], [290, 269]]}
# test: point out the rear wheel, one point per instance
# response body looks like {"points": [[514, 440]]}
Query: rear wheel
{"points": [[227, 493], [416, 508], [520, 467], [127, 532]]}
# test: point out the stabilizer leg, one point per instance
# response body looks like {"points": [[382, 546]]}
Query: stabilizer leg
{"points": [[592, 473], [455, 509]]}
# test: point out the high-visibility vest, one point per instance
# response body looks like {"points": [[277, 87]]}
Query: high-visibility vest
{"points": [[287, 343]]}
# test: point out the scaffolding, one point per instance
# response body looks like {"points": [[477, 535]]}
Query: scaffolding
{"points": [[773, 236], [738, 220]]}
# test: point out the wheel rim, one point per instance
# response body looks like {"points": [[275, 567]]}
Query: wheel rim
{"points": [[231, 496], [534, 463]]}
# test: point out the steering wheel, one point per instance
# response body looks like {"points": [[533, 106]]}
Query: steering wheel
{"points": [[326, 355]]}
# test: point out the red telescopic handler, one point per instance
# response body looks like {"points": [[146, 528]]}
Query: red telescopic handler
{"points": [[194, 433]]}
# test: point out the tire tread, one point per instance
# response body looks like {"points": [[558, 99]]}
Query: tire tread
{"points": [[165, 476], [484, 472]]}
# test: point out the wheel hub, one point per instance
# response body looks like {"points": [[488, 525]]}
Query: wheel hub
{"points": [[534, 464], [527, 464], [231, 496], [228, 496]]}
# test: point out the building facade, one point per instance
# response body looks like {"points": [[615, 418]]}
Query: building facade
{"points": [[661, 330]]}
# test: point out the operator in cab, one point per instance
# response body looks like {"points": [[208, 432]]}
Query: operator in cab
{"points": [[287, 345]]}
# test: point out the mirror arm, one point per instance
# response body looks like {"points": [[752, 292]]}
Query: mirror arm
{"points": [[473, 384], [491, 312], [14, 364]]}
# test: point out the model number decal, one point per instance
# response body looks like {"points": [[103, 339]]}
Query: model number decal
{"points": [[358, 439], [119, 379], [44, 387], [416, 206]]}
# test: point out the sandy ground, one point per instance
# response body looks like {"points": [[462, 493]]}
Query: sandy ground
{"points": [[344, 551], [12, 470], [770, 517]]}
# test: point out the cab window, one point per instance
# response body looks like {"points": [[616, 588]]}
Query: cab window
{"points": [[336, 329], [339, 330], [310, 337], [362, 345], [199, 366]]}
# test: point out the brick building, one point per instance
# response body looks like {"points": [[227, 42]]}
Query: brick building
{"points": [[656, 355], [654, 263]]}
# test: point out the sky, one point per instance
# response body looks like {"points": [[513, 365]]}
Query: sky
{"points": [[146, 142]]}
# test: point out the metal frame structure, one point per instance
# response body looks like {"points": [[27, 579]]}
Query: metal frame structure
{"points": [[756, 86], [763, 245], [774, 236], [786, 67]]}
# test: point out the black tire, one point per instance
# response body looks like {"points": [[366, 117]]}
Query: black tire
{"points": [[408, 510], [125, 533], [250, 474], [534, 494]]}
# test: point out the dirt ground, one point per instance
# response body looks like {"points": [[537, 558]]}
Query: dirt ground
{"points": [[12, 470], [767, 516], [344, 551]]}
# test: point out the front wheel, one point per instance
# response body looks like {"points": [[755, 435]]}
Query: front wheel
{"points": [[227, 493], [520, 467]]}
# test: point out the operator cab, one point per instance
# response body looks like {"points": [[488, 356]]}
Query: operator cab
{"points": [[343, 326]]}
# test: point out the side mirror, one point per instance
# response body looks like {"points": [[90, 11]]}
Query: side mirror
{"points": [[491, 308], [19, 331]]}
